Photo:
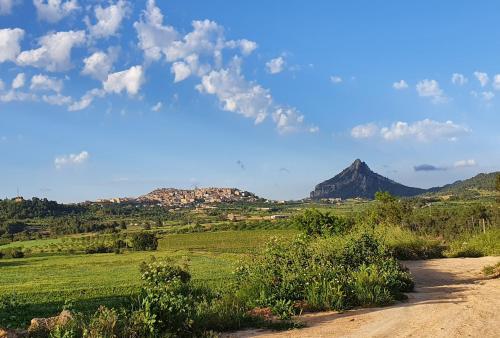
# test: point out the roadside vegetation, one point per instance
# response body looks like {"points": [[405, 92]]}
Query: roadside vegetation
{"points": [[132, 271]]}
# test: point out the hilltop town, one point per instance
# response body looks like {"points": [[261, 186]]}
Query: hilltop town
{"points": [[171, 197]]}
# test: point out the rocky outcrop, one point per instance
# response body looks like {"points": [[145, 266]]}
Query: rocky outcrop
{"points": [[359, 181]]}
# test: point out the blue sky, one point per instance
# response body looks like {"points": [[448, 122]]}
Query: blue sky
{"points": [[116, 98]]}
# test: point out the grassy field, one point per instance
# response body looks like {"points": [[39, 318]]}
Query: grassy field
{"points": [[42, 284]]}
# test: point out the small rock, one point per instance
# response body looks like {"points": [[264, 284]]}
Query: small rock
{"points": [[40, 326]]}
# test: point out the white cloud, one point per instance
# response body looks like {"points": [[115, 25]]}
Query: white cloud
{"points": [[465, 163], [18, 81], [99, 64], [276, 65], [482, 78], [86, 99], [288, 120], [54, 10], [2, 85], [180, 70], [496, 82], [54, 53], [71, 159], [364, 130], [129, 80], [313, 129], [400, 85], [109, 19], [43, 82], [430, 88], [236, 94], [6, 6], [57, 99], [200, 53], [157, 107], [13, 95], [247, 46], [458, 79], [422, 131], [335, 79], [486, 95], [10, 39], [154, 38]]}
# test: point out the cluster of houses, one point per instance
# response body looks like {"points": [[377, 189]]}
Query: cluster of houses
{"points": [[183, 197]]}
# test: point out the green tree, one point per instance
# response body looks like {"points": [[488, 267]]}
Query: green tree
{"points": [[316, 223], [144, 241]]}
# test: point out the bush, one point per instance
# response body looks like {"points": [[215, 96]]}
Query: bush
{"points": [[144, 241], [323, 276], [492, 271], [16, 253], [316, 223], [168, 299], [483, 244]]}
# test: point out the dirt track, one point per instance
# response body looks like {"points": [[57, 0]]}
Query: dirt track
{"points": [[452, 299]]}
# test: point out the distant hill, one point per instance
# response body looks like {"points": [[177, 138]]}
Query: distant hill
{"points": [[479, 182], [359, 181]]}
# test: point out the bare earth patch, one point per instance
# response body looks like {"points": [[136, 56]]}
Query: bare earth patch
{"points": [[452, 298]]}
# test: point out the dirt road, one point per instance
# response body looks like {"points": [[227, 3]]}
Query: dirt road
{"points": [[451, 299]]}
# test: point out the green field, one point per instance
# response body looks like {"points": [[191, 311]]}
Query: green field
{"points": [[42, 284]]}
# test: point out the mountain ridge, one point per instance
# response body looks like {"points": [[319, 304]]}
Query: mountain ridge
{"points": [[358, 180]]}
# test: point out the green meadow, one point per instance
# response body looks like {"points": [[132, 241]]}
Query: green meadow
{"points": [[40, 285]]}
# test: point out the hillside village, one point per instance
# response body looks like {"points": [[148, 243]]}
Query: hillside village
{"points": [[171, 197]]}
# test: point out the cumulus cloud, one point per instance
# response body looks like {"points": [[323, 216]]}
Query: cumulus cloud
{"points": [[10, 39], [482, 78], [154, 37], [335, 79], [6, 6], [364, 130], [458, 79], [181, 71], [57, 99], [288, 120], [109, 19], [205, 40], [54, 10], [200, 53], [423, 131], [14, 95], [430, 88], [276, 65], [43, 82], [157, 107], [54, 53], [496, 82], [486, 95], [428, 167], [86, 99], [99, 64], [236, 94], [71, 159], [465, 163], [401, 84], [247, 46], [18, 81], [129, 80]]}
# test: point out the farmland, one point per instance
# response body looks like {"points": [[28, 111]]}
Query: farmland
{"points": [[45, 282]]}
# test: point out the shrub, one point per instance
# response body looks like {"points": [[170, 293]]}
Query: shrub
{"points": [[16, 253], [317, 223], [168, 299], [492, 271], [369, 286], [144, 241]]}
